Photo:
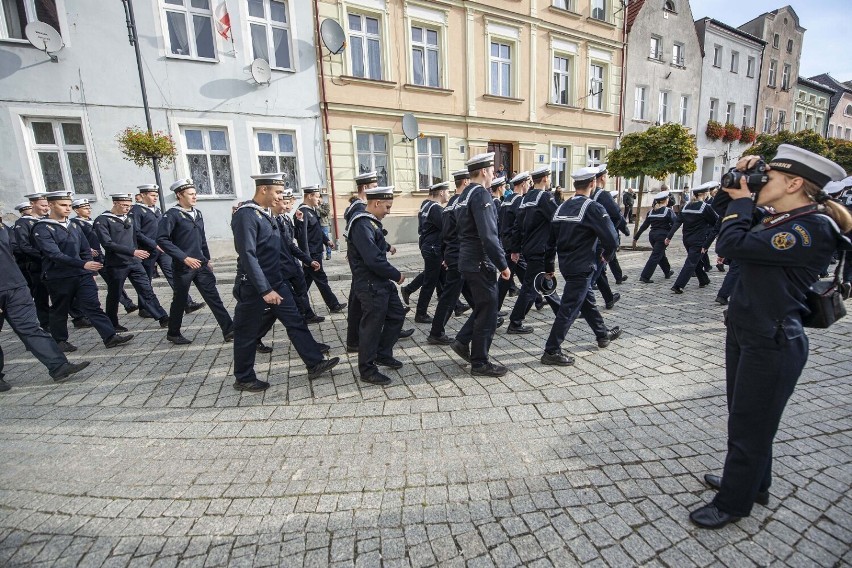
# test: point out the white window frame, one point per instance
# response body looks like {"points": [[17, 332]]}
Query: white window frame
{"points": [[255, 128], [565, 172], [772, 75], [730, 113], [714, 109], [746, 116], [751, 62], [383, 33], [663, 110], [640, 103], [188, 12], [563, 77], [656, 48], [206, 127], [785, 76], [29, 8], [605, 7], [429, 155], [718, 53], [684, 109], [678, 48], [603, 82], [735, 61], [767, 120], [388, 136], [426, 48], [590, 161], [512, 44], [269, 24], [60, 148]]}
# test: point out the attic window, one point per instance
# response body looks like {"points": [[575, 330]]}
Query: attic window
{"points": [[669, 6]]}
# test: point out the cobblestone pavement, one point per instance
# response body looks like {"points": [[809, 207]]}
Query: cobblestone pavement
{"points": [[152, 458]]}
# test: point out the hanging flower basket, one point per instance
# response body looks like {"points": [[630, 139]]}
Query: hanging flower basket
{"points": [[732, 133], [715, 130], [748, 135], [139, 146]]}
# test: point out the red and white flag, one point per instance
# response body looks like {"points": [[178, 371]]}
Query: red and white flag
{"points": [[223, 20]]}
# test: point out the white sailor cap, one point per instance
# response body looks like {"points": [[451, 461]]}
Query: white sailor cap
{"points": [[521, 177], [459, 175], [82, 202], [705, 187], [367, 178], [23, 206], [439, 186], [480, 161], [288, 193], [148, 188], [273, 178], [380, 192], [802, 163], [59, 195], [498, 182], [36, 196], [122, 197], [181, 185], [311, 189], [663, 195], [585, 174], [601, 170], [540, 172]]}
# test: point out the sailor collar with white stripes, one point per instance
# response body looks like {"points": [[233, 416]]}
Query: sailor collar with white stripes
{"points": [[558, 216], [65, 223], [191, 212], [84, 220], [253, 205], [661, 212], [121, 218], [689, 209], [358, 216]]}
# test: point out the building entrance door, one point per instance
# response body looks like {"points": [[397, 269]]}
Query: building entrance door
{"points": [[502, 157]]}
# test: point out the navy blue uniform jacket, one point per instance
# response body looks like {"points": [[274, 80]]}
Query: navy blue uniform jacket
{"points": [[309, 233], [429, 224], [580, 228], [698, 220], [257, 239], [65, 250], [534, 214], [147, 225], [10, 274], [509, 231], [479, 243], [661, 222], [292, 257], [118, 237], [181, 235], [602, 196], [367, 253], [23, 246]]}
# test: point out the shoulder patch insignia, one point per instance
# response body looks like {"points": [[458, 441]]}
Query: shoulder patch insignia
{"points": [[783, 241], [804, 235], [375, 227], [731, 217]]}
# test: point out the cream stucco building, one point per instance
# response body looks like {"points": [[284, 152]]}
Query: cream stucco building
{"points": [[536, 81]]}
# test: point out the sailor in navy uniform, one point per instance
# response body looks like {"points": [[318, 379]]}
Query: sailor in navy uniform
{"points": [[533, 224], [83, 211], [698, 220], [620, 222], [660, 219], [117, 233], [313, 241], [147, 215], [581, 234], [841, 191], [481, 259], [24, 209], [26, 250], [181, 237], [260, 285], [374, 278], [766, 347], [429, 228], [510, 235], [604, 197], [454, 285], [363, 182], [68, 272]]}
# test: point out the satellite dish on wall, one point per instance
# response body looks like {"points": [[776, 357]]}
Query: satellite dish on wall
{"points": [[410, 129], [260, 71], [44, 37], [332, 35]]}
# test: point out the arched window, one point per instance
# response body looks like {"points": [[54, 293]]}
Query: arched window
{"points": [[848, 111], [669, 5]]}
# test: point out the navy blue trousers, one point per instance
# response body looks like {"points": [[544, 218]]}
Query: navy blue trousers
{"points": [[382, 317], [528, 295], [478, 331], [205, 281], [730, 280], [116, 276], [658, 258], [577, 298], [503, 286], [63, 292], [448, 298], [19, 310], [692, 266], [321, 279]]}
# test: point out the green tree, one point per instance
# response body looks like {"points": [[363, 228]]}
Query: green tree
{"points": [[840, 151], [766, 145], [656, 153]]}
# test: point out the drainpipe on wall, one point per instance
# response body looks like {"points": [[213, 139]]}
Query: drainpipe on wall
{"points": [[623, 82], [324, 106]]}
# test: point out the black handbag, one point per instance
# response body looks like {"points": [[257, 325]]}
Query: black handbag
{"points": [[825, 300]]}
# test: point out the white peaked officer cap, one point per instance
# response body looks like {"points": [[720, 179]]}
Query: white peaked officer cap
{"points": [[540, 172], [521, 177], [23, 206], [122, 197], [181, 185], [59, 195], [148, 188], [480, 162], [36, 196], [380, 192], [311, 189], [585, 174], [275, 178], [802, 163], [288, 193], [661, 196], [82, 202]]}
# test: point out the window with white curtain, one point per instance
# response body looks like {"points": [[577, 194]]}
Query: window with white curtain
{"points": [[430, 161], [270, 32], [61, 152], [372, 149], [501, 69], [365, 46], [640, 103], [425, 56], [190, 29], [561, 80], [596, 86], [663, 110], [559, 164], [684, 109], [276, 152]]}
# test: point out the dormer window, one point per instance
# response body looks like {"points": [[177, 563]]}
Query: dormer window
{"points": [[669, 6]]}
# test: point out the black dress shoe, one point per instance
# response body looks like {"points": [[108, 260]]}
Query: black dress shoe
{"points": [[623, 279], [513, 292], [403, 333], [646, 281], [314, 319], [130, 308], [229, 336], [518, 329], [422, 318], [351, 348], [193, 307], [178, 339], [721, 301], [66, 347], [557, 358], [709, 517], [324, 348], [677, 290], [704, 285], [117, 340], [322, 367], [261, 347], [539, 303], [164, 321], [502, 314], [720, 267], [610, 336], [66, 370], [406, 295], [4, 386], [489, 369], [253, 386], [461, 350], [145, 314], [121, 329], [389, 362], [615, 297], [82, 323], [338, 308], [500, 321], [443, 340], [715, 482], [669, 274], [377, 379], [460, 309]]}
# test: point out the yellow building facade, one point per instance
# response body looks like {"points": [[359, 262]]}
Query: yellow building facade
{"points": [[536, 81]]}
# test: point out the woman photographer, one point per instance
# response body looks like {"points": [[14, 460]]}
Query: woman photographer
{"points": [[766, 348]]}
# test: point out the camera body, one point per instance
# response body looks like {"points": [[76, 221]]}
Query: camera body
{"points": [[756, 177]]}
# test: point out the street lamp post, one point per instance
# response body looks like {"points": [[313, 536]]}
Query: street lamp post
{"points": [[134, 41]]}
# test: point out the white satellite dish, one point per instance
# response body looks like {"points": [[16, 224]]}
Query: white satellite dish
{"points": [[410, 129], [44, 37], [260, 71], [333, 36]]}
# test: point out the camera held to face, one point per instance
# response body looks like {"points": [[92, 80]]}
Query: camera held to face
{"points": [[756, 177]]}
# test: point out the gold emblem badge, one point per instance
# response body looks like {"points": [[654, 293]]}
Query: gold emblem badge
{"points": [[783, 241]]}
